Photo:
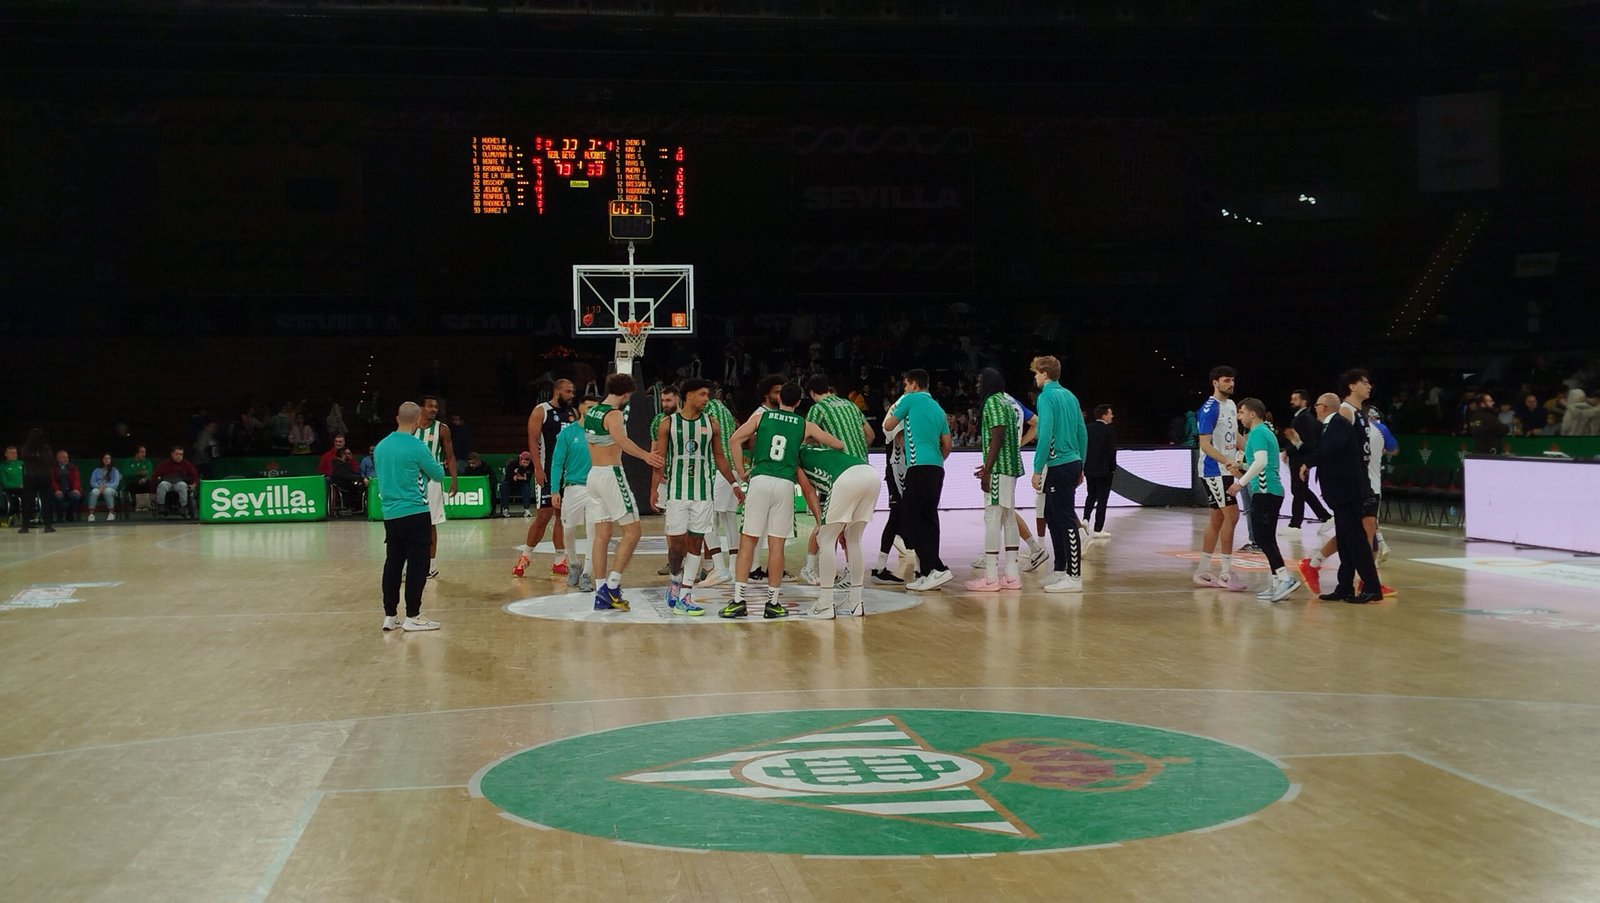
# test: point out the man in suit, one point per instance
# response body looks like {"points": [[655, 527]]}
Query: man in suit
{"points": [[1099, 463], [1341, 462], [1302, 434]]}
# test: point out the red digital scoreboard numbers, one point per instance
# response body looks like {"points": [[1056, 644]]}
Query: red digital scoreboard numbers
{"points": [[549, 174]]}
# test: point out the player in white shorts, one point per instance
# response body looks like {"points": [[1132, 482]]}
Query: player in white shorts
{"points": [[690, 441], [611, 501], [1002, 465], [842, 492], [723, 540], [436, 436]]}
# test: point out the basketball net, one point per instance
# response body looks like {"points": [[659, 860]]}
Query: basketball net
{"points": [[632, 335]]}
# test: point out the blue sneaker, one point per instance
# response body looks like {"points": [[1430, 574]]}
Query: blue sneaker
{"points": [[686, 605], [674, 593], [608, 599]]}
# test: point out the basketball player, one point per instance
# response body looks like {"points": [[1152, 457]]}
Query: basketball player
{"points": [[569, 477], [724, 502], [769, 505], [611, 502], [436, 436], [842, 418], [767, 389], [1028, 424], [1266, 495], [1057, 471], [544, 424], [690, 442], [668, 407], [1002, 465], [894, 477], [1218, 423], [842, 493], [928, 443]]}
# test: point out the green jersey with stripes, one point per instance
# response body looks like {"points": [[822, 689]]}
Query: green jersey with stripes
{"points": [[778, 438], [823, 466], [594, 425], [655, 423], [690, 463], [719, 412], [999, 411], [430, 437], [843, 420]]}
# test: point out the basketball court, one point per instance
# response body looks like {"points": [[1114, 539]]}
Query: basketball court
{"points": [[213, 713]]}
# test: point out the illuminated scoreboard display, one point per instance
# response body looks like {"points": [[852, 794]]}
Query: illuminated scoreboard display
{"points": [[553, 175]]}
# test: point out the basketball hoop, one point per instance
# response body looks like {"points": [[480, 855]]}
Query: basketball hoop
{"points": [[632, 334]]}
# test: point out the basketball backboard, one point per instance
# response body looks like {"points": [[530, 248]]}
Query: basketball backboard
{"points": [[606, 296]]}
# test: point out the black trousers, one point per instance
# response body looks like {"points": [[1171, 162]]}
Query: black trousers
{"points": [[1264, 519], [919, 515], [406, 548], [1303, 496], [35, 490], [891, 526], [1355, 553], [1060, 482], [1095, 499]]}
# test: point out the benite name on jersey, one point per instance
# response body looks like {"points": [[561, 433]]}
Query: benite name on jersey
{"points": [[274, 500]]}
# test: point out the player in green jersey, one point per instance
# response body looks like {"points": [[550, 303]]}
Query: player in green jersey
{"points": [[435, 434], [691, 444], [1002, 465], [843, 419], [724, 503], [842, 495], [769, 504], [610, 498], [669, 406]]}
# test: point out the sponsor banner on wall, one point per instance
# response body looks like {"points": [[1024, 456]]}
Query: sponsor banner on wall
{"points": [[266, 500], [471, 499]]}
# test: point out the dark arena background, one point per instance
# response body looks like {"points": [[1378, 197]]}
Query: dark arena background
{"points": [[223, 218]]}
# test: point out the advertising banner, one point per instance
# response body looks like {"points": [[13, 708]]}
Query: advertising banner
{"points": [[470, 501], [268, 500]]}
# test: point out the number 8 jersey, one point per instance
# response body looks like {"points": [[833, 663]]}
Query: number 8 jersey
{"points": [[778, 439]]}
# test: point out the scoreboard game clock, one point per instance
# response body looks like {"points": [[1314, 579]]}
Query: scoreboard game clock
{"points": [[636, 181]]}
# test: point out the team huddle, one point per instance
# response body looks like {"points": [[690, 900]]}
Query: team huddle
{"points": [[727, 488]]}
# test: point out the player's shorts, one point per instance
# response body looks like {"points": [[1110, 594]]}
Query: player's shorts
{"points": [[854, 496], [1003, 491], [688, 517], [541, 495], [769, 507], [435, 503], [610, 498], [1217, 491], [574, 505], [722, 497], [1370, 504]]}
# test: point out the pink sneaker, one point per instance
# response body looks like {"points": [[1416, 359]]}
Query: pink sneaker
{"points": [[1231, 583], [983, 585], [1011, 583], [1205, 578]]}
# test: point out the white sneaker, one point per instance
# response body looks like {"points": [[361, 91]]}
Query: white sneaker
{"points": [[391, 622], [1326, 529], [715, 579], [1285, 528], [854, 608], [111, 516], [821, 611], [420, 622], [1383, 551], [1036, 558], [917, 585], [1281, 589], [1102, 534], [936, 579], [1066, 583], [979, 563], [91, 518], [809, 576]]}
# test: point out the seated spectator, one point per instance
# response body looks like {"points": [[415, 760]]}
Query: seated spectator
{"points": [[325, 466], [345, 475], [103, 483], [476, 468], [1552, 425], [369, 467], [1531, 416], [1508, 418], [136, 473], [301, 436], [11, 486], [518, 483], [68, 487], [174, 479]]}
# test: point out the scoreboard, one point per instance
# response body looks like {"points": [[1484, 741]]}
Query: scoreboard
{"points": [[555, 175]]}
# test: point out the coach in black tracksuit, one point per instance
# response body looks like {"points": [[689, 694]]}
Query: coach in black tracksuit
{"points": [[1099, 463], [1342, 468], [1306, 430]]}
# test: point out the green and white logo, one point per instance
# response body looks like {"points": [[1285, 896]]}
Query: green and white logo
{"points": [[257, 501], [875, 782]]}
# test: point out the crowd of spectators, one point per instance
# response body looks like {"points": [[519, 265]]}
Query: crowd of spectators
{"points": [[1536, 397]]}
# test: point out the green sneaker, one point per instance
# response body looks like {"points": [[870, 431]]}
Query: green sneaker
{"points": [[687, 607], [732, 610], [773, 610]]}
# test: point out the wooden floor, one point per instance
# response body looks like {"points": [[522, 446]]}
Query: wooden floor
{"points": [[214, 715]]}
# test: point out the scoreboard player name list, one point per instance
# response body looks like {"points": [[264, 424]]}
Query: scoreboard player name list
{"points": [[507, 177]]}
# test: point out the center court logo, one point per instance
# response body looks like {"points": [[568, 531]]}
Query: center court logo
{"points": [[882, 783]]}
